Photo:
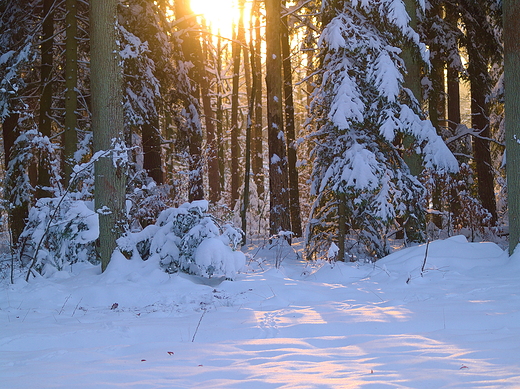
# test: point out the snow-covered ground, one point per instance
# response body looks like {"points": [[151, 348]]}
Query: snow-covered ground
{"points": [[454, 325]]}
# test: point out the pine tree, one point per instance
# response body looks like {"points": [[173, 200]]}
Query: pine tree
{"points": [[360, 179]]}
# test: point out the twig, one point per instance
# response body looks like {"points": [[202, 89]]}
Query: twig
{"points": [[425, 257], [26, 315], [198, 325], [63, 306], [77, 305]]}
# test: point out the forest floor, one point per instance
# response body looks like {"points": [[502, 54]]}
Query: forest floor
{"points": [[452, 321]]}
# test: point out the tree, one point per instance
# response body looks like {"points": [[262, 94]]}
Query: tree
{"points": [[70, 137], [191, 95], [107, 126], [257, 157], [290, 130], [46, 72], [484, 50], [511, 10], [235, 128], [17, 77], [279, 217], [360, 109]]}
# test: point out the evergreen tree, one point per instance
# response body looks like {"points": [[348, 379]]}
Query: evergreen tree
{"points": [[360, 180]]}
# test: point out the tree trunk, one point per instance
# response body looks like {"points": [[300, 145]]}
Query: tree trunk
{"points": [[45, 122], [212, 140], [107, 124], [220, 121], [257, 161], [478, 75], [235, 129], [292, 158], [152, 155], [413, 227], [70, 138], [17, 212], [279, 218], [511, 10], [192, 53]]}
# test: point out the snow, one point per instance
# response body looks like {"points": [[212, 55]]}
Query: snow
{"points": [[450, 322]]}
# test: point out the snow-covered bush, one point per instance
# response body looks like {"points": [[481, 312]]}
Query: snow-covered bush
{"points": [[59, 231], [188, 239]]}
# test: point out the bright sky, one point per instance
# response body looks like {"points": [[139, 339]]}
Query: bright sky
{"points": [[220, 14]]}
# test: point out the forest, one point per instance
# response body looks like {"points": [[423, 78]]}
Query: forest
{"points": [[148, 128]]}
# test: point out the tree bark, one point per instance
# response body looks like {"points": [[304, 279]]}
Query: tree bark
{"points": [[152, 151], [45, 122], [279, 218], [257, 152], [510, 11], [211, 137], [290, 130], [107, 125], [478, 75], [235, 129], [70, 138], [192, 52]]}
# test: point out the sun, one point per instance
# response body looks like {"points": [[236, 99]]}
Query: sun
{"points": [[218, 14]]}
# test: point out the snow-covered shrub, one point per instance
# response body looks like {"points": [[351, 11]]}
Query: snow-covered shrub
{"points": [[59, 231], [461, 212], [188, 239], [146, 200]]}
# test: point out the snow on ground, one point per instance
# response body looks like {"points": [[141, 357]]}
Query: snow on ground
{"points": [[455, 324]]}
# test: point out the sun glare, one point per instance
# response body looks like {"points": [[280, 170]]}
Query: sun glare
{"points": [[218, 14]]}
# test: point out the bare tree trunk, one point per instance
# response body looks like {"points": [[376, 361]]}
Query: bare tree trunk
{"points": [[152, 158], [212, 140], [478, 75], [107, 125], [413, 225], [70, 137], [278, 176], [257, 136], [290, 130], [45, 122], [511, 10], [192, 52], [220, 121], [235, 128]]}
